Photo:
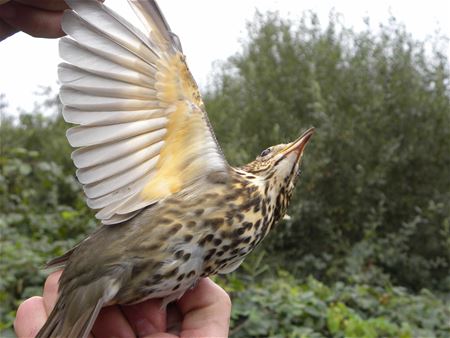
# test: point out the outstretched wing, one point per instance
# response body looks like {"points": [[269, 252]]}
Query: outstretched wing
{"points": [[142, 131]]}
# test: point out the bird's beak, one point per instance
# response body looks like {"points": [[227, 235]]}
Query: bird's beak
{"points": [[299, 144]]}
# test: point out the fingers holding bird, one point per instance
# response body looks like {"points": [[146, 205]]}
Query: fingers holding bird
{"points": [[206, 310], [50, 294], [146, 318], [30, 317], [202, 311], [37, 18]]}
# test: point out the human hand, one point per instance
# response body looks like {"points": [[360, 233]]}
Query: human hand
{"points": [[39, 18], [202, 312]]}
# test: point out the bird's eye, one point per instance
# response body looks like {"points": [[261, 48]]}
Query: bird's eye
{"points": [[265, 152]]}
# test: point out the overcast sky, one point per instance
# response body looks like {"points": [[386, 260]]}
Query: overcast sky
{"points": [[210, 30]]}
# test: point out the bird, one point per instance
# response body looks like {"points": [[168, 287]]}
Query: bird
{"points": [[171, 210]]}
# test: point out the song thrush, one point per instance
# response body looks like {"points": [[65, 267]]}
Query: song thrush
{"points": [[172, 209]]}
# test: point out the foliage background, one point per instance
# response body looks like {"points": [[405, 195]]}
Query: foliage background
{"points": [[366, 252]]}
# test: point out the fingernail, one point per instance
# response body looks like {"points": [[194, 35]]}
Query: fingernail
{"points": [[7, 11], [144, 327]]}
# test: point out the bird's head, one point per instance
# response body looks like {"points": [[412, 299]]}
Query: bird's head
{"points": [[279, 165]]}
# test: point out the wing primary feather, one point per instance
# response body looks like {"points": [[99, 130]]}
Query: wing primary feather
{"points": [[77, 55], [94, 155], [151, 16], [84, 101], [102, 171], [111, 23], [75, 78], [98, 42], [117, 195], [88, 136], [110, 184], [102, 118]]}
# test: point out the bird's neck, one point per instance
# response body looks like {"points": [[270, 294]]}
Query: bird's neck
{"points": [[272, 196]]}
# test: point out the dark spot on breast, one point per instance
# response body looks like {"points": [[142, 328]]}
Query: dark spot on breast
{"points": [[198, 212], [176, 287], [210, 254], [236, 242], [239, 231], [138, 267], [240, 217], [207, 238], [217, 241], [186, 257], [180, 277], [257, 224], [191, 224], [165, 220], [156, 278], [247, 239], [219, 253], [226, 248], [227, 260], [152, 247], [174, 229], [179, 253], [229, 218], [230, 197], [257, 203], [188, 238], [171, 273], [214, 223], [247, 225], [268, 177], [164, 237], [191, 274]]}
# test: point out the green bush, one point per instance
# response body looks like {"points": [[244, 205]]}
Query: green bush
{"points": [[285, 307], [42, 210]]}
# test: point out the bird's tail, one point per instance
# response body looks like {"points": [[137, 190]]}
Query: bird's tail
{"points": [[77, 308], [71, 319], [56, 325]]}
